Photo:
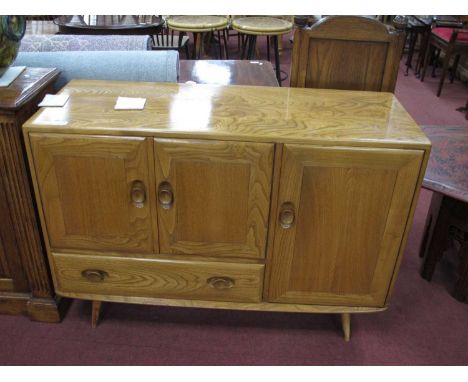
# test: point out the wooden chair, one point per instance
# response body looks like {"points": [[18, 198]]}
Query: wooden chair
{"points": [[347, 52], [453, 42], [167, 40]]}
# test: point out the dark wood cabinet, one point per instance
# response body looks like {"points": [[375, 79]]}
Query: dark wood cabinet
{"points": [[25, 285]]}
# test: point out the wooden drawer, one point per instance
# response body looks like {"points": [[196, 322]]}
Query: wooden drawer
{"points": [[143, 277]]}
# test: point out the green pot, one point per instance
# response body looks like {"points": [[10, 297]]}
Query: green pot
{"points": [[12, 30]]}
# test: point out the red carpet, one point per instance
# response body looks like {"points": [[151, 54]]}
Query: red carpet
{"points": [[423, 326]]}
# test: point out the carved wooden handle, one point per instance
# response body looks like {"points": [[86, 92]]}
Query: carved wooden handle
{"points": [[94, 275], [165, 195], [287, 215], [220, 282], [138, 194]]}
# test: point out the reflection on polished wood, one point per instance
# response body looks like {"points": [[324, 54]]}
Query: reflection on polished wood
{"points": [[257, 198], [251, 113]]}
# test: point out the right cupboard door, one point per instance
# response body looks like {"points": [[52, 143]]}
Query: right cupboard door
{"points": [[341, 217]]}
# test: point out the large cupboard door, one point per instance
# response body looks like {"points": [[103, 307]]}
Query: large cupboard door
{"points": [[342, 213], [213, 196], [95, 191]]}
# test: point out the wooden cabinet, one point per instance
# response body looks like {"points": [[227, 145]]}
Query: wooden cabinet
{"points": [[25, 284], [339, 224], [274, 199], [95, 191], [213, 196]]}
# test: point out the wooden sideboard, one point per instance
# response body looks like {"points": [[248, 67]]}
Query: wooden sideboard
{"points": [[25, 284], [231, 197]]}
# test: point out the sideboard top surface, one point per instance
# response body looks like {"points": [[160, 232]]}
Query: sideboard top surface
{"points": [[266, 114]]}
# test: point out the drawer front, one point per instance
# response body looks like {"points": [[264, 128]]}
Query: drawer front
{"points": [[137, 277]]}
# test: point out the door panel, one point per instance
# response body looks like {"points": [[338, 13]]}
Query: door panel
{"points": [[217, 196], [349, 208], [95, 191]]}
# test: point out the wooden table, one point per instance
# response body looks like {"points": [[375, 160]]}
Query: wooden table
{"points": [[25, 286], [447, 177], [228, 72], [113, 24]]}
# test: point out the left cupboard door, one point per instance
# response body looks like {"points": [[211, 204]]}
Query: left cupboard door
{"points": [[96, 191]]}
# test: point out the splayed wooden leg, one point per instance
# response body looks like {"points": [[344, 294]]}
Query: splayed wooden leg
{"points": [[346, 325], [95, 312]]}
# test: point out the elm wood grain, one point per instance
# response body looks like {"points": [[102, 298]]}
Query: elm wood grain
{"points": [[358, 195], [228, 72], [398, 132], [241, 113], [257, 306], [221, 196], [124, 276], [23, 250], [347, 52], [87, 185]]}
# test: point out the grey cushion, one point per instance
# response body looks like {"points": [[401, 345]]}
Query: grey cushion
{"points": [[150, 66], [64, 42]]}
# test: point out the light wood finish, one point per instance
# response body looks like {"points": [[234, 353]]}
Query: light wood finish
{"points": [[330, 179], [197, 23], [346, 325], [230, 305], [123, 276], [96, 307], [262, 25], [219, 196], [239, 113], [347, 52], [360, 196], [91, 187], [25, 285]]}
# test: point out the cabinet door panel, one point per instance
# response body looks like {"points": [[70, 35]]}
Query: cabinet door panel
{"points": [[351, 206], [88, 190], [219, 196]]}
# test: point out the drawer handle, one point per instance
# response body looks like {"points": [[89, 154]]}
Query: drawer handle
{"points": [[287, 215], [220, 282], [165, 195], [138, 194], [94, 275]]}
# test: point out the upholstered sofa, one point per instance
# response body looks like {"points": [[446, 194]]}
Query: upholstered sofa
{"points": [[124, 58]]}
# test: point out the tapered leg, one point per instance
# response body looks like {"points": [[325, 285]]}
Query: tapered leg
{"points": [[95, 313], [444, 72], [346, 325]]}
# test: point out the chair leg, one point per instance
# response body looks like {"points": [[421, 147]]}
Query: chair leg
{"points": [[225, 31], [346, 325], [445, 68], [277, 61], [95, 313], [460, 291], [426, 61], [435, 63], [453, 71], [268, 48]]}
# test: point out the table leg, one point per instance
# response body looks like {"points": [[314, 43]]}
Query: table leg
{"points": [[437, 240], [460, 291]]}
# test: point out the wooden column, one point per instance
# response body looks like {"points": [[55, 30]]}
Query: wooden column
{"points": [[25, 285]]}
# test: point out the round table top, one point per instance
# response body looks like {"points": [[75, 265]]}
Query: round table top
{"points": [[262, 25], [197, 23], [447, 169]]}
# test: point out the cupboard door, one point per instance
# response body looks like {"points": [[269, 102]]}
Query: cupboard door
{"points": [[213, 196], [342, 213], [95, 191]]}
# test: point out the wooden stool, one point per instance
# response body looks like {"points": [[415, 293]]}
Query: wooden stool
{"points": [[262, 26], [199, 25]]}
